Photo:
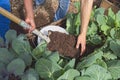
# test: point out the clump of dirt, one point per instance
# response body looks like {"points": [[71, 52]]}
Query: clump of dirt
{"points": [[64, 44], [44, 14]]}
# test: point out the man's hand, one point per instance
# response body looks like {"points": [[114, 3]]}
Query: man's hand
{"points": [[81, 41], [31, 22]]}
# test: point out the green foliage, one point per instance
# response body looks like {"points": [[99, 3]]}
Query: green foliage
{"points": [[105, 28], [69, 75], [39, 50], [10, 35], [115, 47], [17, 66], [111, 18], [5, 56], [18, 57], [73, 21], [70, 64], [54, 57], [21, 45], [101, 20], [15, 56], [114, 68], [101, 63], [46, 69], [83, 78], [30, 74], [97, 72], [109, 56], [89, 60]]}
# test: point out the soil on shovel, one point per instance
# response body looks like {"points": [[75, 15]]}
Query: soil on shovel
{"points": [[64, 44]]}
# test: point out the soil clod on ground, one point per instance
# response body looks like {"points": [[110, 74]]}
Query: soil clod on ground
{"points": [[64, 44]]}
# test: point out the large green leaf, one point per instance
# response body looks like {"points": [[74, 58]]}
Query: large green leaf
{"points": [[96, 72], [70, 64], [90, 60], [117, 19], [29, 77], [10, 35], [46, 54], [115, 48], [111, 18], [95, 39], [77, 5], [17, 66], [46, 68], [69, 75], [21, 45], [101, 63], [117, 33], [77, 23], [109, 56], [99, 11], [39, 50], [101, 19], [117, 16], [69, 23], [27, 58], [114, 68], [5, 56], [54, 57], [112, 33], [30, 74], [105, 29], [92, 29], [73, 23]]}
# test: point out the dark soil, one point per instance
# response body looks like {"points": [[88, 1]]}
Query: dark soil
{"points": [[13, 77], [64, 44], [44, 14]]}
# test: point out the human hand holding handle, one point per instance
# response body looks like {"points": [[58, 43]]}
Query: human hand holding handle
{"points": [[31, 22]]}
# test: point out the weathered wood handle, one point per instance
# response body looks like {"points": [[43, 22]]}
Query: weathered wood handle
{"points": [[22, 23], [9, 15]]}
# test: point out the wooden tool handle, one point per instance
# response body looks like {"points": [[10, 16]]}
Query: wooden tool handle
{"points": [[14, 18], [22, 23], [9, 15]]}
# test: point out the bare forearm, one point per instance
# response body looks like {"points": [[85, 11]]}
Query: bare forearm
{"points": [[86, 7], [29, 14], [28, 8]]}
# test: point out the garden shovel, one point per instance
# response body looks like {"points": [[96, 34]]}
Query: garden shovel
{"points": [[23, 24]]}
